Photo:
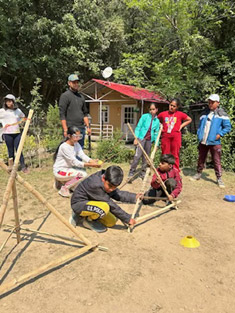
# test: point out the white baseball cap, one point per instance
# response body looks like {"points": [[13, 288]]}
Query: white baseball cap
{"points": [[10, 97], [214, 97]]}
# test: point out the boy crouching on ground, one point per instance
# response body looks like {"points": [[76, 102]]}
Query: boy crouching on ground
{"points": [[92, 200], [169, 175]]}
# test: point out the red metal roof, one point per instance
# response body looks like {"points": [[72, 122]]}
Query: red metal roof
{"points": [[133, 92]]}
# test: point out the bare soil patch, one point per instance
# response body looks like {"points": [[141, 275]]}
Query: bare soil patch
{"points": [[146, 271]]}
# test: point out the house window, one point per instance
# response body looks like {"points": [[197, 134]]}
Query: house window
{"points": [[105, 114], [129, 115]]}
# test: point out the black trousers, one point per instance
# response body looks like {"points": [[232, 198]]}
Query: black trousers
{"points": [[170, 186]]}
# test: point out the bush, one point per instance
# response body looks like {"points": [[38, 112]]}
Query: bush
{"points": [[53, 130], [114, 150], [228, 142], [189, 150], [3, 152]]}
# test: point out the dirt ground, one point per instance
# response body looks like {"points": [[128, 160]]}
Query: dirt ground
{"points": [[145, 271]]}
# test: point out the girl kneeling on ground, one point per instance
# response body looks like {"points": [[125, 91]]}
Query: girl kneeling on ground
{"points": [[68, 169]]}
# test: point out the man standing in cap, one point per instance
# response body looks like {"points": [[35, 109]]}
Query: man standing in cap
{"points": [[214, 124], [73, 109]]}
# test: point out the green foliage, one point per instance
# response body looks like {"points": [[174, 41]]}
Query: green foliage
{"points": [[52, 131], [114, 150], [228, 141], [30, 145], [132, 69], [3, 152], [51, 143], [189, 150]]}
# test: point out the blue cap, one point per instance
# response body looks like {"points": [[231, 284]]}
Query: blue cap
{"points": [[73, 77]]}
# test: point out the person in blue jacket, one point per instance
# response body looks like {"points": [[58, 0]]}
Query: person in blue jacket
{"points": [[214, 124], [146, 131]]}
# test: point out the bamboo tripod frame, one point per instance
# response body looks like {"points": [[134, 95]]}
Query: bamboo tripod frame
{"points": [[11, 186], [150, 162], [146, 176]]}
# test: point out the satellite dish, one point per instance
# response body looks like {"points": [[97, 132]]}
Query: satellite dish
{"points": [[107, 72]]}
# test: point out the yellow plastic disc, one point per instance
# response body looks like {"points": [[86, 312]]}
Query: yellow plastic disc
{"points": [[100, 162], [190, 242]]}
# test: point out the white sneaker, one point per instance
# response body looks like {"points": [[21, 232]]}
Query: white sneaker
{"points": [[220, 183]]}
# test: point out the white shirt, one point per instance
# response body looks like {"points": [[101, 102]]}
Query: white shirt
{"points": [[9, 116], [66, 157], [207, 127]]}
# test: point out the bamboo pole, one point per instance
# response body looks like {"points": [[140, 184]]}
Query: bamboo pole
{"points": [[130, 178], [14, 169], [146, 174], [102, 248], [155, 198], [141, 218], [150, 163], [16, 212], [48, 205], [14, 283], [5, 242]]}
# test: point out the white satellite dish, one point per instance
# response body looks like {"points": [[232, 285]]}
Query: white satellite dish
{"points": [[107, 72]]}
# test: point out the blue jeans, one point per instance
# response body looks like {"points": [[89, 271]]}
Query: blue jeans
{"points": [[83, 133], [12, 142]]}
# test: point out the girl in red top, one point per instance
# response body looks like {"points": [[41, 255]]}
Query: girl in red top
{"points": [[173, 121]]}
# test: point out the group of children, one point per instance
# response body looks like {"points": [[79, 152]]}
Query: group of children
{"points": [[92, 197], [92, 201]]}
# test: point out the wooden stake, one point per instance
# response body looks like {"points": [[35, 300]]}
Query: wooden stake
{"points": [[146, 174], [130, 178], [56, 236], [155, 198], [150, 163], [4, 243], [48, 205], [6, 287], [141, 218], [14, 169], [16, 212]]}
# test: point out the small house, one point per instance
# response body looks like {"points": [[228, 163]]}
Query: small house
{"points": [[112, 106]]}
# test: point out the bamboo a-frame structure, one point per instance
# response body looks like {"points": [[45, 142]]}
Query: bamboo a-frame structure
{"points": [[11, 187], [150, 159]]}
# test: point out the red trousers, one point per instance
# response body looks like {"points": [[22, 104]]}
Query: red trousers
{"points": [[171, 144]]}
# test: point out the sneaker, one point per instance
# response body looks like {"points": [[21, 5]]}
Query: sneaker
{"points": [[64, 192], [94, 225], [220, 183], [74, 219], [25, 170], [57, 185], [196, 177]]}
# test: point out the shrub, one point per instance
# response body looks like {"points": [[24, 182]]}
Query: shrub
{"points": [[3, 152], [189, 150], [53, 130], [114, 150]]}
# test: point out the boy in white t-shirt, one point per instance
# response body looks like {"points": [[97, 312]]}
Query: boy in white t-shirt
{"points": [[10, 117]]}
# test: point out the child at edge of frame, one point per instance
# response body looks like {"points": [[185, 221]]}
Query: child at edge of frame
{"points": [[92, 201], [171, 178]]}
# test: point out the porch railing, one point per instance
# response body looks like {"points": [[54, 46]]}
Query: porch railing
{"points": [[105, 132]]}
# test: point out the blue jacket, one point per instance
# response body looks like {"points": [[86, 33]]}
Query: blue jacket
{"points": [[143, 127], [220, 125]]}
